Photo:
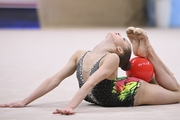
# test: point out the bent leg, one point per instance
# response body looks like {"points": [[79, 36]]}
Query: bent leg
{"points": [[153, 94], [163, 75]]}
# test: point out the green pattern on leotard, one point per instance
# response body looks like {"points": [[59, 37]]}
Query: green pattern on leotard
{"points": [[125, 87]]}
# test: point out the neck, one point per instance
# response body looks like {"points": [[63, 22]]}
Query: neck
{"points": [[104, 47]]}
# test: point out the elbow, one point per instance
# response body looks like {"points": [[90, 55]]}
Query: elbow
{"points": [[56, 82]]}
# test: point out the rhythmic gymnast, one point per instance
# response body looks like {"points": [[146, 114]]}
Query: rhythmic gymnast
{"points": [[97, 70]]}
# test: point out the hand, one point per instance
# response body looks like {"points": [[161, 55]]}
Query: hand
{"points": [[13, 105], [65, 111]]}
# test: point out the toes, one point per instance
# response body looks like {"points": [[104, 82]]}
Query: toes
{"points": [[141, 33], [130, 30], [138, 31]]}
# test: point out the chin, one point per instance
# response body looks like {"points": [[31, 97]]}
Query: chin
{"points": [[110, 34]]}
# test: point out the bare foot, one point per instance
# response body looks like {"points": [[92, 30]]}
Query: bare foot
{"points": [[134, 39], [139, 40]]}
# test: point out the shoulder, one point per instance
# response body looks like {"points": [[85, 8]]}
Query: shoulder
{"points": [[111, 59], [78, 54], [113, 55], [109, 66]]}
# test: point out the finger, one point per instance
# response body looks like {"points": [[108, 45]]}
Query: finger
{"points": [[13, 105], [4, 105], [57, 111], [72, 112], [66, 112], [69, 113]]}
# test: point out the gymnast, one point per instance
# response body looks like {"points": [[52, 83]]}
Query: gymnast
{"points": [[96, 72]]}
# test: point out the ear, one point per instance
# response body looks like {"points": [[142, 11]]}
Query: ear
{"points": [[120, 50]]}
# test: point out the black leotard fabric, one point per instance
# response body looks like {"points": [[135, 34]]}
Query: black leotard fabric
{"points": [[109, 93]]}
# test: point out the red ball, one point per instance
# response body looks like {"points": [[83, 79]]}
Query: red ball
{"points": [[141, 68]]}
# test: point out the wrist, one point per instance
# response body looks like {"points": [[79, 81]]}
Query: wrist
{"points": [[25, 102], [70, 106]]}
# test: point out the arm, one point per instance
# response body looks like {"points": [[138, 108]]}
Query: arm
{"points": [[49, 84], [108, 67]]}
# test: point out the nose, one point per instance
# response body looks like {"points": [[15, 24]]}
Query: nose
{"points": [[118, 34]]}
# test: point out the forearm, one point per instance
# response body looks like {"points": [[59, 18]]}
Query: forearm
{"points": [[44, 88], [80, 95]]}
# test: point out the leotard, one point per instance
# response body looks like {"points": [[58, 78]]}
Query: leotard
{"points": [[109, 93]]}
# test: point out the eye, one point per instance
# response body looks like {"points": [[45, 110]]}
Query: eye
{"points": [[124, 39]]}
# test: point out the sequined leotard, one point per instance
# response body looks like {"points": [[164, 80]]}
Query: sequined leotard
{"points": [[109, 93]]}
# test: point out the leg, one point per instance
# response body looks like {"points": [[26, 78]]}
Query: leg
{"points": [[153, 94], [163, 75]]}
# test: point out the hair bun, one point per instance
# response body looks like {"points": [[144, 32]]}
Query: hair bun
{"points": [[126, 66]]}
